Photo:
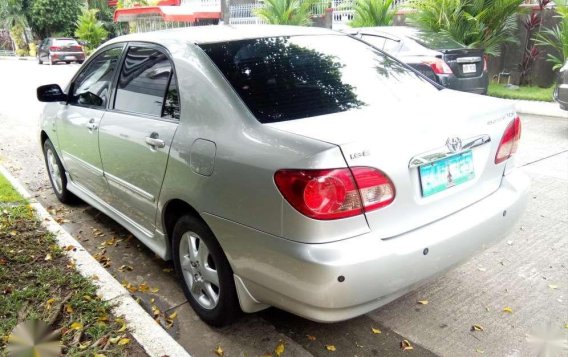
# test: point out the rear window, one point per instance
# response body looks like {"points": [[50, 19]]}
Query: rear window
{"points": [[287, 78], [435, 41], [65, 42]]}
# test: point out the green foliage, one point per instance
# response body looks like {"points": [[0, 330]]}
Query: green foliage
{"points": [[33, 49], [90, 30], [105, 15], [12, 14], [286, 12], [557, 38], [372, 13], [17, 33], [522, 93], [475, 23], [50, 16]]}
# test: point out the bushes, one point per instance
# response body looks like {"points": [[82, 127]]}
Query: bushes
{"points": [[372, 13], [90, 30], [286, 12]]}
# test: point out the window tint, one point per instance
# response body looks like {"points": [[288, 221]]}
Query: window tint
{"points": [[144, 84], [65, 42], [286, 78], [92, 86]]}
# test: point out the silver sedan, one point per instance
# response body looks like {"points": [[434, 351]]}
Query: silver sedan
{"points": [[283, 166]]}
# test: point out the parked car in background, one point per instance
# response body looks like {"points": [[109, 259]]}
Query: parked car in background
{"points": [[561, 90], [284, 166], [58, 49], [439, 58]]}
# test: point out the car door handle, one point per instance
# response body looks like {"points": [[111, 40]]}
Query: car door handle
{"points": [[155, 142], [91, 125]]}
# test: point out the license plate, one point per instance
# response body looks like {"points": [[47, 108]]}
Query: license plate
{"points": [[443, 174], [70, 58], [469, 68]]}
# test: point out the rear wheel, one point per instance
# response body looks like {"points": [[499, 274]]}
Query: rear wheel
{"points": [[67, 62], [204, 271], [56, 173], [50, 60], [39, 59]]}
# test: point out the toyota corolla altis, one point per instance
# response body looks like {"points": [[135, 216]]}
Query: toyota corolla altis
{"points": [[284, 166]]}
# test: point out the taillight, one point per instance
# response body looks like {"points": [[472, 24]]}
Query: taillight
{"points": [[485, 63], [509, 142], [335, 193], [54, 48], [438, 66], [76, 48]]}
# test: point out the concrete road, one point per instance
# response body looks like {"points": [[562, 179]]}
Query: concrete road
{"points": [[527, 272]]}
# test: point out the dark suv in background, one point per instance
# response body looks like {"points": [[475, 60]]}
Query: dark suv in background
{"points": [[55, 49], [561, 90], [439, 58]]}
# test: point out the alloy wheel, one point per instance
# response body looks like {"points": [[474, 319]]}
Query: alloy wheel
{"points": [[199, 270], [54, 171]]}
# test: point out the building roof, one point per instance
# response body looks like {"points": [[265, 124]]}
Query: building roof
{"points": [[168, 13]]}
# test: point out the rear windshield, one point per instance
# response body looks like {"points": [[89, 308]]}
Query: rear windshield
{"points": [[65, 42], [286, 78], [435, 41]]}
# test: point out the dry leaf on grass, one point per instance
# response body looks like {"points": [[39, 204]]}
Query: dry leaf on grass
{"points": [[376, 330], [311, 338], [123, 341], [76, 326], [508, 309], [423, 302]]}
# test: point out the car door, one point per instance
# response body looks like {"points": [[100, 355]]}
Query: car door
{"points": [[78, 121], [135, 136]]}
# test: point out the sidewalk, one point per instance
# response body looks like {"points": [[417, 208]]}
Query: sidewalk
{"points": [[549, 109], [16, 58]]}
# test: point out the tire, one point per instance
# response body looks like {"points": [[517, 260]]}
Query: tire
{"points": [[212, 295], [39, 60], [56, 173], [80, 62], [50, 60]]}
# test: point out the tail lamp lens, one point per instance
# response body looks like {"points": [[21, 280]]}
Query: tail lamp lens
{"points": [[335, 193], [439, 66], [54, 48], [510, 141]]}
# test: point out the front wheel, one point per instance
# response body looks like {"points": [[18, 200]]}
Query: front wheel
{"points": [[204, 271], [56, 174]]}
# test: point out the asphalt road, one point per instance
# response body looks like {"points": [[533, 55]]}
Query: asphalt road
{"points": [[527, 272]]}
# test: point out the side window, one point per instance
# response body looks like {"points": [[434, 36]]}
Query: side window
{"points": [[92, 86], [146, 84]]}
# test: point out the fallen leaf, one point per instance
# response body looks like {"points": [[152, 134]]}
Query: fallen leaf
{"points": [[13, 233], [99, 355], [330, 348], [143, 287], [423, 302], [125, 268], [84, 346], [76, 326], [114, 340], [70, 247], [173, 315], [155, 290], [311, 338], [87, 298], [508, 309], [406, 346], [477, 328], [167, 270], [122, 328], [376, 330], [219, 351], [103, 318], [123, 341], [479, 351], [553, 286], [49, 302], [68, 309], [48, 257], [279, 349]]}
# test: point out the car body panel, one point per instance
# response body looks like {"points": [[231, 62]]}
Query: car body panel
{"points": [[279, 256], [561, 90]]}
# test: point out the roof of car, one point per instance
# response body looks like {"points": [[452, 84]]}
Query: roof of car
{"points": [[224, 33]]}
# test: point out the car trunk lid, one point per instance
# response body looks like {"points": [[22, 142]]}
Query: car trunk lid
{"points": [[464, 62], [402, 133]]}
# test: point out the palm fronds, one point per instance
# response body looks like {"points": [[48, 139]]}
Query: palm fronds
{"points": [[372, 13], [286, 12]]}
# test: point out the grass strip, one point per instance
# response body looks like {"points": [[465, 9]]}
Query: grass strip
{"points": [[39, 282], [522, 93]]}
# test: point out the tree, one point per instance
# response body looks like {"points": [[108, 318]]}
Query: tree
{"points": [[105, 14], [483, 24], [372, 13], [557, 38], [286, 12], [14, 19], [49, 17], [90, 30]]}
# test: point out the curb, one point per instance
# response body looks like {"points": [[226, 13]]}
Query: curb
{"points": [[149, 334], [548, 109], [16, 58]]}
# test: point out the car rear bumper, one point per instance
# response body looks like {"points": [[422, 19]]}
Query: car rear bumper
{"points": [[67, 56], [472, 84], [561, 95], [340, 280]]}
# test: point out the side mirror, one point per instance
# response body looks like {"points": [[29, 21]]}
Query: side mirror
{"points": [[51, 93]]}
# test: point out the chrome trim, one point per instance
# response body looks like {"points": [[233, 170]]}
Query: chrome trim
{"points": [[468, 59], [130, 187], [443, 151]]}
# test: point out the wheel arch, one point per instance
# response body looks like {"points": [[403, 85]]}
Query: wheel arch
{"points": [[173, 210]]}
